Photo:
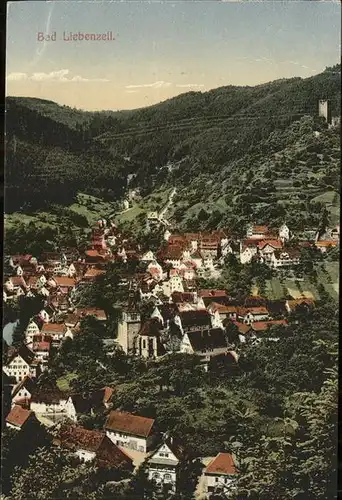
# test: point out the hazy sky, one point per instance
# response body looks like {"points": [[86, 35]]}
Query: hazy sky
{"points": [[163, 48]]}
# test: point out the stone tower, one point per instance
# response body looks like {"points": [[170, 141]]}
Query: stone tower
{"points": [[324, 109], [128, 328]]}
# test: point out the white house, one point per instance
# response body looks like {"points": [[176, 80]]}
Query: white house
{"points": [[43, 402], [58, 331], [206, 343], [250, 314], [284, 233], [220, 475], [41, 350], [32, 329], [148, 256], [130, 431], [164, 464], [248, 249], [21, 363], [284, 258], [268, 247], [167, 235], [22, 392], [173, 284]]}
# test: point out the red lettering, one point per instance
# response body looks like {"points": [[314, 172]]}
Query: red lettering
{"points": [[87, 36], [80, 36], [40, 36]]}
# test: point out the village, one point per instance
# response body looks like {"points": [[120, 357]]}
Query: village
{"points": [[184, 318]]}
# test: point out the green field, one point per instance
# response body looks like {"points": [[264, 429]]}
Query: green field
{"points": [[327, 275], [63, 383], [89, 206]]}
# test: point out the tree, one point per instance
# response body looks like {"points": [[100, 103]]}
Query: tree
{"points": [[56, 475]]}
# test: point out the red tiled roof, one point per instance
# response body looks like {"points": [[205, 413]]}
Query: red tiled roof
{"points": [[173, 253], [222, 308], [273, 243], [98, 313], [260, 229], [108, 392], [242, 327], [212, 293], [223, 463], [18, 281], [64, 281], [128, 423], [41, 346], [93, 273], [107, 453], [53, 327], [264, 325], [302, 300], [326, 243], [18, 416], [254, 310], [250, 242]]}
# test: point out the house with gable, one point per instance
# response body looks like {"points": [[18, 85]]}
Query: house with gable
{"points": [[250, 314], [23, 391], [78, 404], [58, 331], [173, 284], [287, 257], [41, 347], [32, 329], [267, 248], [219, 475], [147, 256], [192, 320], [20, 418], [51, 401], [22, 362], [164, 465], [130, 431], [248, 250], [205, 343], [284, 233]]}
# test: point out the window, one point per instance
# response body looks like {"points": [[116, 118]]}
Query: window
{"points": [[144, 344], [167, 477]]}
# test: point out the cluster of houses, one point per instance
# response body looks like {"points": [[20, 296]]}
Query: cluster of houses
{"points": [[181, 317], [114, 448]]}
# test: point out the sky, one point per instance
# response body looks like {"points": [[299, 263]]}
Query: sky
{"points": [[162, 49]]}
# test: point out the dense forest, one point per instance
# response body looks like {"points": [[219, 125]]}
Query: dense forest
{"points": [[215, 138]]}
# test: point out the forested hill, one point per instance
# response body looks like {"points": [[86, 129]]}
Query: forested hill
{"points": [[53, 152]]}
